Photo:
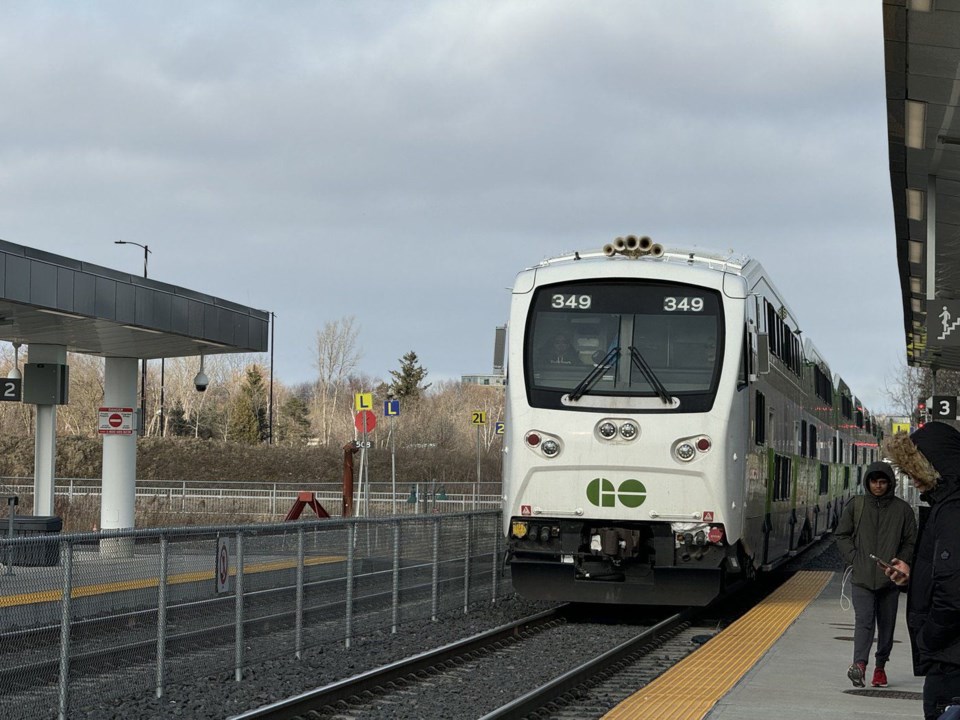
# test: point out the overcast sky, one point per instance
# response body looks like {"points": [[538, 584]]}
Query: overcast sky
{"points": [[402, 161]]}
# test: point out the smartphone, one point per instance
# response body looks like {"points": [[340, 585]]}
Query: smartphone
{"points": [[884, 563]]}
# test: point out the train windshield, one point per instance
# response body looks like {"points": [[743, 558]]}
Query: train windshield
{"points": [[624, 339]]}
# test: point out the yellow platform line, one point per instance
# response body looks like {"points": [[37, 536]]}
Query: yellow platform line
{"points": [[689, 689], [44, 596]]}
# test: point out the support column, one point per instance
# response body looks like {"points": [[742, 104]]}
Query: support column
{"points": [[117, 503], [45, 448]]}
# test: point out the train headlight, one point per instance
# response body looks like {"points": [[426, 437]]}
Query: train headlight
{"points": [[685, 452], [550, 448], [518, 528], [607, 429], [628, 431]]}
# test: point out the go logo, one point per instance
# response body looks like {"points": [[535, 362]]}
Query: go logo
{"points": [[600, 492]]}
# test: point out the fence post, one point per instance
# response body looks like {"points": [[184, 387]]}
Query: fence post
{"points": [[301, 540], [434, 596], [12, 502], [495, 582], [162, 615], [183, 497], [396, 574], [466, 565], [351, 534], [238, 586], [66, 548]]}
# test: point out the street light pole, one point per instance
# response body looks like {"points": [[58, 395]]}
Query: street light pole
{"points": [[273, 321], [143, 361]]}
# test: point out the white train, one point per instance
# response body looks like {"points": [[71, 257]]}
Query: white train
{"points": [[668, 430]]}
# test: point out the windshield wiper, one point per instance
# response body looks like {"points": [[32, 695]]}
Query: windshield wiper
{"points": [[594, 375], [648, 373]]}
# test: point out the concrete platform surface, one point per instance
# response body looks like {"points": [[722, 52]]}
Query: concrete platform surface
{"points": [[804, 675]]}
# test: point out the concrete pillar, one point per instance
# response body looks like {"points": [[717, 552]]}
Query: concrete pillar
{"points": [[117, 503], [45, 448]]}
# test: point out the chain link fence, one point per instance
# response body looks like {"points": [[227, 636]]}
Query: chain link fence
{"points": [[87, 618]]}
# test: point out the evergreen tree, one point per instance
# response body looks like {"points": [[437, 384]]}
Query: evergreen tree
{"points": [[293, 426], [177, 424], [407, 381], [248, 414]]}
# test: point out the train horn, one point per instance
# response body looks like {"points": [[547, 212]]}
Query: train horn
{"points": [[620, 244], [609, 250], [631, 243], [644, 244], [656, 250]]}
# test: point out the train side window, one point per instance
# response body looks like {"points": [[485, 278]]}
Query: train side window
{"points": [[803, 438], [760, 419], [846, 478], [824, 478], [782, 466], [814, 451]]}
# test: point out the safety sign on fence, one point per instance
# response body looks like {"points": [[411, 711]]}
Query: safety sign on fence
{"points": [[223, 565]]}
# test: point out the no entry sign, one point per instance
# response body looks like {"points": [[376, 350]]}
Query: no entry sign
{"points": [[116, 421]]}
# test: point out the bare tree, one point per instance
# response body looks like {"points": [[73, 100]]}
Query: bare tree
{"points": [[905, 387], [80, 416], [337, 358]]}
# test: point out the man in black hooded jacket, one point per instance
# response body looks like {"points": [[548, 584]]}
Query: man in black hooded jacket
{"points": [[881, 524], [931, 457]]}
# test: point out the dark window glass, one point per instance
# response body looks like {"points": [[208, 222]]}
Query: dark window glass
{"points": [[676, 329]]}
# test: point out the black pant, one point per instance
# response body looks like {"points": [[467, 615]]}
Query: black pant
{"points": [[874, 609], [939, 688]]}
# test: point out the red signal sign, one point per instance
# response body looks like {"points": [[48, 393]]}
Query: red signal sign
{"points": [[365, 417]]}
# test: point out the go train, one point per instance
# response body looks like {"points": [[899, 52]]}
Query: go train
{"points": [[669, 432]]}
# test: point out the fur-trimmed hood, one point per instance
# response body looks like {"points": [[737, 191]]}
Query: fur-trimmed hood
{"points": [[927, 454]]}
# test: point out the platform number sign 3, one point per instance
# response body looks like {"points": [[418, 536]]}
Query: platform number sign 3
{"points": [[11, 389], [944, 407]]}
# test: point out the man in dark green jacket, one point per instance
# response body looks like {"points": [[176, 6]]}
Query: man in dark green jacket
{"points": [[881, 524]]}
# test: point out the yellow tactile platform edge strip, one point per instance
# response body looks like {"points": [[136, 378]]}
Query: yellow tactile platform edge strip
{"points": [[44, 596], [692, 687]]}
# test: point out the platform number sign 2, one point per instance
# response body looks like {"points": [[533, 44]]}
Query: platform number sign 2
{"points": [[11, 389], [943, 407], [478, 417]]}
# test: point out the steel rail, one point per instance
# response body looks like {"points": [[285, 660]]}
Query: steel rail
{"points": [[344, 689], [550, 691]]}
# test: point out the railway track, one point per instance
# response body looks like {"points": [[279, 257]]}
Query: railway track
{"points": [[444, 675], [24, 666]]}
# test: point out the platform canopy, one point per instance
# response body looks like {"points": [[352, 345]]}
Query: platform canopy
{"points": [[922, 53], [53, 300]]}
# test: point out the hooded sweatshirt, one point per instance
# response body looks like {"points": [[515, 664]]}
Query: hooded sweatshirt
{"points": [[884, 526], [933, 599]]}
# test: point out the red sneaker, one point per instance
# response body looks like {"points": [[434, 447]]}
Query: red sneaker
{"points": [[857, 672], [879, 678]]}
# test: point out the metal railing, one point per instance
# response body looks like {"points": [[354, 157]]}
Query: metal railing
{"points": [[87, 619], [262, 499]]}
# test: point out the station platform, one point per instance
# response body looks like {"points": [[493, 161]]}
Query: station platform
{"points": [[786, 659]]}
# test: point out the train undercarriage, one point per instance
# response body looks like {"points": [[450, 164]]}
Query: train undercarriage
{"points": [[627, 563]]}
